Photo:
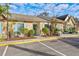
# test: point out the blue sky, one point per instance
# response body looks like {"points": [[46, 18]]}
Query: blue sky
{"points": [[52, 8]]}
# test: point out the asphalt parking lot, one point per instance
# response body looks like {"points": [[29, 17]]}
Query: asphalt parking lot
{"points": [[65, 47]]}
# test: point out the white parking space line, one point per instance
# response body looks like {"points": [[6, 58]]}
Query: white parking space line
{"points": [[5, 50], [52, 49]]}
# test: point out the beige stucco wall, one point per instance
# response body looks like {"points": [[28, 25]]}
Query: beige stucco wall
{"points": [[70, 23], [4, 25], [59, 26]]}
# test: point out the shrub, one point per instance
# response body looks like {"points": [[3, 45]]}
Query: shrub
{"points": [[21, 30], [31, 33], [2, 38], [70, 30], [56, 30], [45, 30], [26, 31], [16, 33]]}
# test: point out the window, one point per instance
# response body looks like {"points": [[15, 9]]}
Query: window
{"points": [[47, 25]]}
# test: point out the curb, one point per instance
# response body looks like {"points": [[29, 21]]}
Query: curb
{"points": [[36, 40], [31, 41], [70, 37]]}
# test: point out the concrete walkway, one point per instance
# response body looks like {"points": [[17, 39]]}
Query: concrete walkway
{"points": [[69, 35]]}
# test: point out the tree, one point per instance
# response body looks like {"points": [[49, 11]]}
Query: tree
{"points": [[43, 14], [4, 12]]}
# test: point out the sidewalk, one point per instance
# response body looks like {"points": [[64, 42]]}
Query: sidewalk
{"points": [[69, 35], [5, 43]]}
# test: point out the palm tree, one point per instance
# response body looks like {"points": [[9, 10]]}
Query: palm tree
{"points": [[4, 12]]}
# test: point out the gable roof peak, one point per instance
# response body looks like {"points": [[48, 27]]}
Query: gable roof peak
{"points": [[63, 17]]}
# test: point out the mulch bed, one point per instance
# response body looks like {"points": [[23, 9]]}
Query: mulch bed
{"points": [[19, 38]]}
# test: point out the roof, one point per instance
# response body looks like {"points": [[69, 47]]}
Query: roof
{"points": [[76, 20], [45, 17], [26, 18], [62, 17], [54, 19]]}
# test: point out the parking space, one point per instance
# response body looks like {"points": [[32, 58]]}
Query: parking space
{"points": [[72, 41], [47, 48], [2, 50], [64, 48], [33, 49]]}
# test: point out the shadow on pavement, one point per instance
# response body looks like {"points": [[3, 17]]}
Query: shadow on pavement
{"points": [[72, 41], [32, 51]]}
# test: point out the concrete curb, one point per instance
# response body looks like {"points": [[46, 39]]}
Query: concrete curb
{"points": [[35, 40], [30, 41]]}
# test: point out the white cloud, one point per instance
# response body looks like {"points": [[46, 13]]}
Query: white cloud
{"points": [[75, 8], [37, 4], [76, 14], [49, 7], [61, 7], [13, 6]]}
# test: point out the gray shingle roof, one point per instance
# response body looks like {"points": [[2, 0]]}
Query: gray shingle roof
{"points": [[45, 17], [26, 18], [63, 17]]}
